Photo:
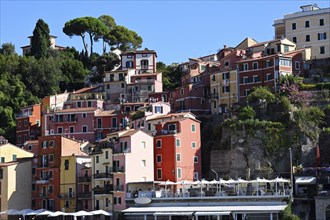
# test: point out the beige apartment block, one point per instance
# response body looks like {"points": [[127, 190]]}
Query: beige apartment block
{"points": [[308, 28]]}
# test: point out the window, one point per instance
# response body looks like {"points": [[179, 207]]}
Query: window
{"points": [[307, 24], [193, 145], [50, 189], [195, 176], [268, 63], [294, 39], [44, 144], [172, 127], [297, 65], [268, 76], [159, 158], [99, 122], [129, 56], [245, 80], [159, 173], [195, 159], [19, 124], [226, 76], [51, 158], [115, 200], [2, 159], [144, 163], [158, 109], [255, 65], [322, 50], [78, 104], [114, 122], [51, 143], [227, 63], [256, 78], [286, 48], [213, 77], [149, 126], [181, 91], [66, 164], [34, 171], [25, 122], [122, 85], [84, 128], [50, 174], [67, 204], [29, 147], [178, 157], [107, 155], [308, 38], [144, 55], [84, 115], [144, 64], [193, 128], [119, 200], [106, 202], [71, 129], [321, 22], [143, 144], [226, 89], [129, 64], [108, 86], [59, 130], [246, 92], [158, 143], [322, 36], [179, 174], [33, 186], [245, 67], [97, 159], [285, 62], [294, 26], [19, 139], [14, 157], [178, 144]]}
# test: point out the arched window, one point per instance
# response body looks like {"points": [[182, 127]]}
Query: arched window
{"points": [[144, 64]]}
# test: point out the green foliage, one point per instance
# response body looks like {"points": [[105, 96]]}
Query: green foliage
{"points": [[327, 115], [261, 93], [106, 62], [290, 80], [108, 21], [286, 214], [7, 49], [40, 41], [247, 113], [308, 86], [124, 39], [171, 75], [285, 104], [86, 25], [322, 86], [137, 115]]}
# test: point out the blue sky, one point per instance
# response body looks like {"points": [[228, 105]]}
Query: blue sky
{"points": [[177, 30]]}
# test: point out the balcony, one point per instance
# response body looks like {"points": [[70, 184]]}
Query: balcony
{"points": [[119, 188], [58, 120], [25, 114], [102, 176], [164, 132], [119, 169], [121, 151], [84, 179], [67, 195], [42, 181], [213, 96], [42, 195], [84, 195], [103, 190]]}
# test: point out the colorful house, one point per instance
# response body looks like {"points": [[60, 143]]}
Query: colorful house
{"points": [[28, 124], [142, 61]]}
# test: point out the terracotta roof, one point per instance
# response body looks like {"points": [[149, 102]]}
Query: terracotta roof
{"points": [[106, 113], [129, 133], [32, 142], [172, 115], [86, 89]]}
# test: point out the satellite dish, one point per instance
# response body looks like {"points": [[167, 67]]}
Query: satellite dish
{"points": [[142, 200]]}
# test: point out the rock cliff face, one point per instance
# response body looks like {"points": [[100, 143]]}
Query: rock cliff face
{"points": [[245, 156]]}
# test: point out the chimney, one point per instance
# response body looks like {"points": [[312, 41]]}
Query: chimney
{"points": [[224, 46]]}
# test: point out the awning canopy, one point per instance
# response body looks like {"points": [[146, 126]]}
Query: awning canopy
{"points": [[306, 180], [173, 213]]}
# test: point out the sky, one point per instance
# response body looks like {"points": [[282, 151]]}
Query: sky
{"points": [[176, 30]]}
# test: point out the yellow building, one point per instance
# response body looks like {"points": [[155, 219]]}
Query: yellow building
{"points": [[15, 185], [10, 152], [70, 171], [308, 28], [223, 91]]}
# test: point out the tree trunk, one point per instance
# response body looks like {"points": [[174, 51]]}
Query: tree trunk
{"points": [[104, 47], [85, 45], [91, 39]]}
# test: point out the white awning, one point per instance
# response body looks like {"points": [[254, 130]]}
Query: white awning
{"points": [[173, 213], [306, 180], [211, 213]]}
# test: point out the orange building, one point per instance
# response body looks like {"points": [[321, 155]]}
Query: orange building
{"points": [[177, 150], [28, 124]]}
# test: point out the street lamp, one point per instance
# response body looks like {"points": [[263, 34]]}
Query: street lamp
{"points": [[217, 177]]}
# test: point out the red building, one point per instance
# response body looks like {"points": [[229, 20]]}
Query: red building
{"points": [[46, 180], [177, 150], [28, 124]]}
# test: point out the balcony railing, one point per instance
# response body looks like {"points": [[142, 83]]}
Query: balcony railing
{"points": [[103, 190], [67, 195], [82, 179], [102, 175], [119, 169], [119, 187], [120, 151], [73, 120], [213, 96], [84, 195]]}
